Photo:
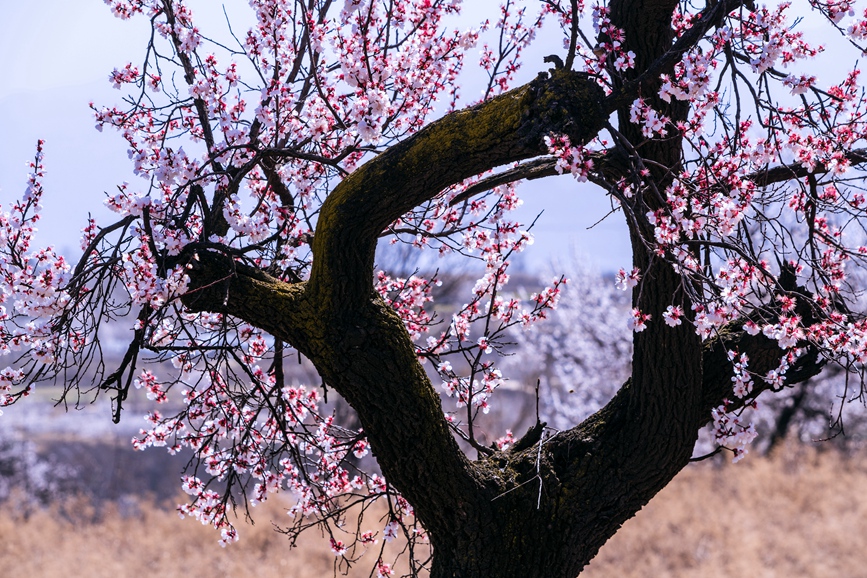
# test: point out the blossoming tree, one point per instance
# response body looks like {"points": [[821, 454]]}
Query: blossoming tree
{"points": [[274, 160]]}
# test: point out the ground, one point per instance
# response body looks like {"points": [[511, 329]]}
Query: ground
{"points": [[801, 512]]}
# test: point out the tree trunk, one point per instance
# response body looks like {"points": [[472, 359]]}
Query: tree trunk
{"points": [[545, 510]]}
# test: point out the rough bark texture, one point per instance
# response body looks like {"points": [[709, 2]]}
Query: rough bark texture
{"points": [[500, 516]]}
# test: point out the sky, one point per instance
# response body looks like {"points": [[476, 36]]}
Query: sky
{"points": [[55, 58]]}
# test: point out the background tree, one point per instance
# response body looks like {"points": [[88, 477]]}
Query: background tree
{"points": [[599, 359], [578, 379], [274, 161]]}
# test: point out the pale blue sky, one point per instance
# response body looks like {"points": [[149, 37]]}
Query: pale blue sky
{"points": [[55, 57]]}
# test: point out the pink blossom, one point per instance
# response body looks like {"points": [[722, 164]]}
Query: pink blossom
{"points": [[672, 315], [638, 321], [626, 280]]}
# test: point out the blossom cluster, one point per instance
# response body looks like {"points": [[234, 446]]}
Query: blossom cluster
{"points": [[575, 160], [33, 292]]}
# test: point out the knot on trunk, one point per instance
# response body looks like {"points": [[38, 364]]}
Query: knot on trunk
{"points": [[563, 102], [210, 273]]}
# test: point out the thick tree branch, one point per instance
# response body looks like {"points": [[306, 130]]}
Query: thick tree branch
{"points": [[506, 129], [764, 355], [370, 361], [596, 458]]}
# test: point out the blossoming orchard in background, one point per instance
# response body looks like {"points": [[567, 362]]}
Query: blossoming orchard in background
{"points": [[270, 162]]}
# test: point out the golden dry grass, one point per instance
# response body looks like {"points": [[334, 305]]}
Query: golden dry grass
{"points": [[799, 514], [153, 543]]}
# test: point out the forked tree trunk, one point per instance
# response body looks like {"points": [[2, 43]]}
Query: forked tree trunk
{"points": [[545, 510]]}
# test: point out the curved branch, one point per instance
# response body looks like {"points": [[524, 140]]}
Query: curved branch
{"points": [[503, 130], [534, 169]]}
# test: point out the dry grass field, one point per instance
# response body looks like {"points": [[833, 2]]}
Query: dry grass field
{"points": [[802, 513]]}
